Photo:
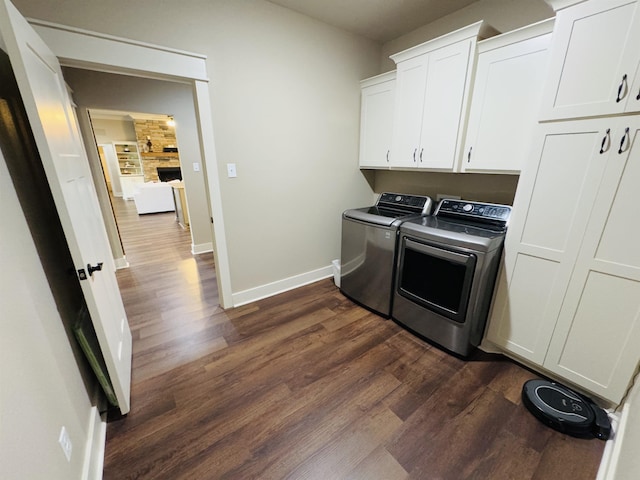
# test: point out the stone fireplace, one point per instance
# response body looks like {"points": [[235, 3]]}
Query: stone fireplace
{"points": [[161, 136]]}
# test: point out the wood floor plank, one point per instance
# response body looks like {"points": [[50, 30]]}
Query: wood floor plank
{"points": [[560, 455], [378, 464], [306, 384], [338, 457]]}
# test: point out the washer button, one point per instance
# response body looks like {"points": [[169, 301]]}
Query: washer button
{"points": [[468, 207]]}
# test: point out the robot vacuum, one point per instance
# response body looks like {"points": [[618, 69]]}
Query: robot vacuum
{"points": [[565, 410]]}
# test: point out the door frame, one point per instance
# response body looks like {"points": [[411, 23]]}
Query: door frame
{"points": [[105, 53]]}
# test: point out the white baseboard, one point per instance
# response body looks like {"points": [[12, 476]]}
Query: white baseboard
{"points": [[280, 286], [201, 248], [121, 263], [611, 453], [94, 450]]}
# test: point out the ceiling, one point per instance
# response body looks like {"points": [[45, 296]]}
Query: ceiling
{"points": [[380, 20]]}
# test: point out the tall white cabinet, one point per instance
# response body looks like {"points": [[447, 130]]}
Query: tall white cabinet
{"points": [[601, 309], [568, 295]]}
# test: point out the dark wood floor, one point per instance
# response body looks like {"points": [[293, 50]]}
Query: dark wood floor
{"points": [[306, 385]]}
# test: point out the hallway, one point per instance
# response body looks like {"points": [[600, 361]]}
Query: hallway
{"points": [[168, 293]]}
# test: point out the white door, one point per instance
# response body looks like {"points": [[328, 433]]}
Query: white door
{"points": [[54, 127]]}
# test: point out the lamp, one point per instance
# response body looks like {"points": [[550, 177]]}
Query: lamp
{"points": [[171, 122]]}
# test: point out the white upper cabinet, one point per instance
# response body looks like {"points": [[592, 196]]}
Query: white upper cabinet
{"points": [[594, 60], [442, 117], [432, 88], [505, 99], [376, 120], [407, 118]]}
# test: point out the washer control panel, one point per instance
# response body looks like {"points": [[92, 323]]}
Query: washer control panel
{"points": [[489, 212], [411, 203]]}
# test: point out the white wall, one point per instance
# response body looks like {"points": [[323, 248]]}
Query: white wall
{"points": [[41, 388], [107, 131], [285, 103], [503, 15]]}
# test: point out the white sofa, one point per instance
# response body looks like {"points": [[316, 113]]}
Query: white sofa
{"points": [[154, 197]]}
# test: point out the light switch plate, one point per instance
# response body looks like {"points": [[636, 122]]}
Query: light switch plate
{"points": [[231, 170], [196, 167]]}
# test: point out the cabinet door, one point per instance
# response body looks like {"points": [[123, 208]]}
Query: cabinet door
{"points": [[594, 56], [596, 343], [376, 124], [555, 195], [504, 106], [442, 115], [633, 100], [407, 123]]}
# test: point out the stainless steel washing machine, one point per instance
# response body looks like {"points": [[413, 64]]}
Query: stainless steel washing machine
{"points": [[368, 252], [446, 271]]}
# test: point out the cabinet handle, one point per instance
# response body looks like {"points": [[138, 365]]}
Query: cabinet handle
{"points": [[622, 84], [387, 156], [638, 96], [604, 140], [414, 155], [421, 150], [469, 155], [626, 134]]}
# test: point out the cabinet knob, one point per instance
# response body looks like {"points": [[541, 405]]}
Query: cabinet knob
{"points": [[622, 84]]}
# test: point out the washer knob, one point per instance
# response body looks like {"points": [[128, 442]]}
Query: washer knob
{"points": [[468, 207], [398, 198]]}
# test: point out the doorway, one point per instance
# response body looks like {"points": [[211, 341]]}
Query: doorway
{"points": [[145, 62], [142, 171]]}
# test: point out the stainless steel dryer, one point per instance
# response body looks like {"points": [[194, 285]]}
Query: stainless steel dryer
{"points": [[368, 250], [446, 271]]}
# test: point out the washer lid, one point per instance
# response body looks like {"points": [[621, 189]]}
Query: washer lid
{"points": [[384, 217], [458, 234]]}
